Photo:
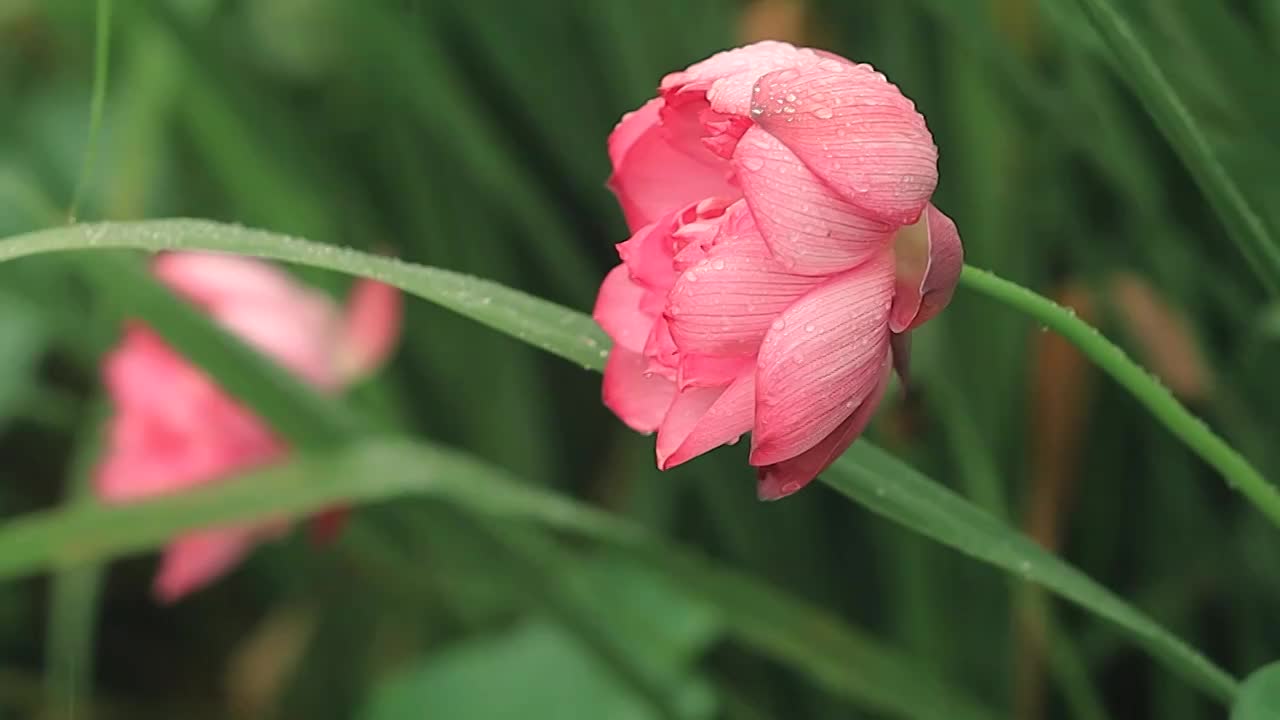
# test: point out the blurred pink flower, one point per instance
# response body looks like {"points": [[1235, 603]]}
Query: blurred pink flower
{"points": [[173, 428], [783, 247]]}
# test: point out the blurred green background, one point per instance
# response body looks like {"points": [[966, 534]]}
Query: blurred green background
{"points": [[471, 135]]}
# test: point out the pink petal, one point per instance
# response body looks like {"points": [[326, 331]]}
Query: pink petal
{"points": [[929, 259], [724, 304], [370, 328], [303, 335], [701, 419], [657, 169], [637, 396], [809, 228], [726, 78], [784, 478], [856, 131], [618, 310], [209, 279], [711, 370], [197, 559], [820, 360]]}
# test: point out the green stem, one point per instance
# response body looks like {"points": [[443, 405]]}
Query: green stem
{"points": [[1148, 390]]}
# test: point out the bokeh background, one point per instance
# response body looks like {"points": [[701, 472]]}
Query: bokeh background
{"points": [[471, 135]]}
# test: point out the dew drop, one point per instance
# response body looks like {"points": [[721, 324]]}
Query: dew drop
{"points": [[754, 164], [822, 113], [780, 324], [718, 263], [809, 327], [691, 276], [791, 97]]}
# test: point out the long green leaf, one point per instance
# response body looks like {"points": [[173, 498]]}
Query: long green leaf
{"points": [[574, 336], [763, 617], [542, 324], [887, 486], [1140, 68]]}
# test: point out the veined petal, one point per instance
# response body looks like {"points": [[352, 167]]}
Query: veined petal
{"points": [[657, 169], [726, 78], [856, 131], [637, 396], [703, 418], [618, 311], [809, 227], [929, 259], [781, 479], [711, 370], [821, 360]]}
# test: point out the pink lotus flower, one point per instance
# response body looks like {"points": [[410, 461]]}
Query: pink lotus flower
{"points": [[783, 246], [174, 429]]}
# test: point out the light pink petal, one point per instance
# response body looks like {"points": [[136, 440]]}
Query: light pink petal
{"points": [[197, 559], [301, 336], [209, 279], [821, 360], [724, 304], [726, 78], [929, 260], [856, 131], [618, 310], [701, 419], [637, 396], [784, 478], [659, 169], [370, 328], [810, 229]]}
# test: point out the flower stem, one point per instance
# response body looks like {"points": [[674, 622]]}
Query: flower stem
{"points": [[1144, 386]]}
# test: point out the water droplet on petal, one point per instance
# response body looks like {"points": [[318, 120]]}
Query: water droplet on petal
{"points": [[718, 263], [822, 113], [809, 327], [780, 324]]}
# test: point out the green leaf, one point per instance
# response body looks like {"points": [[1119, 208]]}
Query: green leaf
{"points": [[545, 325], [1136, 63], [574, 336], [773, 622], [535, 670], [1259, 696], [888, 487]]}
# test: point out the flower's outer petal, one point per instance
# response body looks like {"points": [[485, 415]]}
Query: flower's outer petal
{"points": [[657, 171], [781, 479], [821, 360], [701, 419], [726, 78], [370, 329], [637, 396], [929, 259], [810, 229], [856, 131], [711, 370], [725, 303], [618, 311]]}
